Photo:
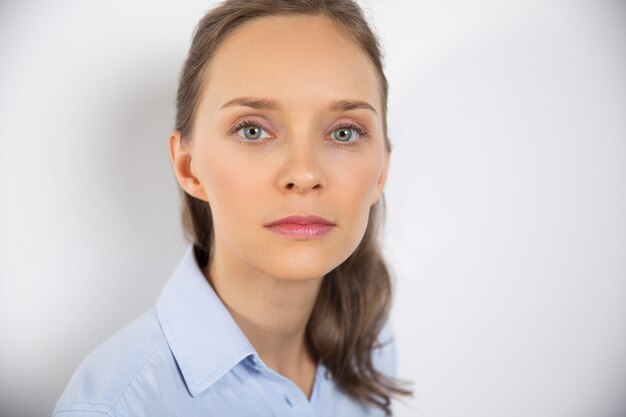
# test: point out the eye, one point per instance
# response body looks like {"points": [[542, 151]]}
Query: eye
{"points": [[252, 131], [348, 134]]}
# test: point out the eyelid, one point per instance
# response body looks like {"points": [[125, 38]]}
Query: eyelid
{"points": [[351, 125], [245, 122]]}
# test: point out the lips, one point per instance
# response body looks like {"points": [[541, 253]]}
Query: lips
{"points": [[303, 227], [302, 220]]}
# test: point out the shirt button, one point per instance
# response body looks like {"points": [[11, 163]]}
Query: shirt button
{"points": [[288, 401], [328, 375]]}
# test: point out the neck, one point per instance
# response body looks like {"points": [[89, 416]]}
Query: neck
{"points": [[273, 313]]}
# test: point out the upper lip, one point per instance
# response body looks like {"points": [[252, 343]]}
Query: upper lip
{"points": [[301, 220]]}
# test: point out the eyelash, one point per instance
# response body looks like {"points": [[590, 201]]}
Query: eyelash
{"points": [[247, 123]]}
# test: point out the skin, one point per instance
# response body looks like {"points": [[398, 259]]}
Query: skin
{"points": [[269, 282]]}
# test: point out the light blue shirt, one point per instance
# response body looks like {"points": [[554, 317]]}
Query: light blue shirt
{"points": [[187, 357]]}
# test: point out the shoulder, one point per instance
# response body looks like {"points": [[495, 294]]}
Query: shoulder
{"points": [[109, 372]]}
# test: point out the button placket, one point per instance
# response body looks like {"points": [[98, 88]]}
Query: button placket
{"points": [[294, 401]]}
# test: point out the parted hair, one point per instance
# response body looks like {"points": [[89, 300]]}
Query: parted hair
{"points": [[354, 299]]}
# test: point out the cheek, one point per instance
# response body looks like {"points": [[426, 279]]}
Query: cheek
{"points": [[357, 183], [234, 189]]}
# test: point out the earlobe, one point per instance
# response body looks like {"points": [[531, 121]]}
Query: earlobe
{"points": [[181, 158]]}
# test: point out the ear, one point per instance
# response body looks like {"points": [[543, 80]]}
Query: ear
{"points": [[182, 163], [381, 180]]}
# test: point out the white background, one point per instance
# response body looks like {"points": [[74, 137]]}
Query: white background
{"points": [[506, 196]]}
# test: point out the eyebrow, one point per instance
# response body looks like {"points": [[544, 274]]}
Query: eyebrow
{"points": [[269, 104]]}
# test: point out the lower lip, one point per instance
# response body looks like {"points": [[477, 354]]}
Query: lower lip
{"points": [[307, 231]]}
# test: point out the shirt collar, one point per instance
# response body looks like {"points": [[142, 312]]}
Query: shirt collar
{"points": [[201, 333]]}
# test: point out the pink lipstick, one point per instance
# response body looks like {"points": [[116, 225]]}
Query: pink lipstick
{"points": [[307, 227]]}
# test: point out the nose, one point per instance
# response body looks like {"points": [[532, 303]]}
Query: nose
{"points": [[302, 169]]}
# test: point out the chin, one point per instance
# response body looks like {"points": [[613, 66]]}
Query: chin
{"points": [[302, 260], [298, 270]]}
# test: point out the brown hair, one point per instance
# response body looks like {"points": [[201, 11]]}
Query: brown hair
{"points": [[354, 300]]}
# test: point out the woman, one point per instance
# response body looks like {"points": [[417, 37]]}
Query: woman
{"points": [[279, 305]]}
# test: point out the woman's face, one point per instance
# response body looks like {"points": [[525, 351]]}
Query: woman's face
{"points": [[271, 139]]}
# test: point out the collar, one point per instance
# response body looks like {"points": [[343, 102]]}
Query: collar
{"points": [[202, 335]]}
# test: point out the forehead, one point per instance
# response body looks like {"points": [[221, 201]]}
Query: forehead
{"points": [[299, 60]]}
